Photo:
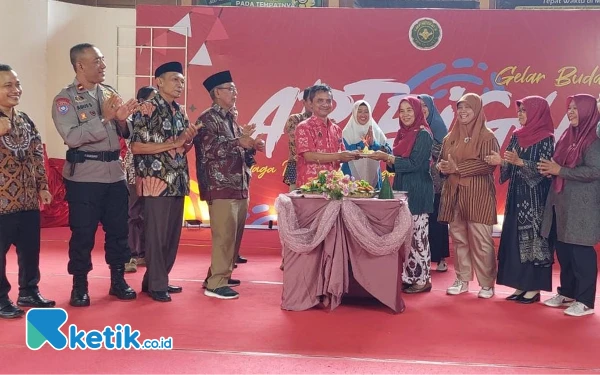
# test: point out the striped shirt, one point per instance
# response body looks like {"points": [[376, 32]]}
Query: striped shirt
{"points": [[474, 196]]}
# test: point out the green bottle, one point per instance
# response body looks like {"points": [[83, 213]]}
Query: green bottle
{"points": [[386, 189]]}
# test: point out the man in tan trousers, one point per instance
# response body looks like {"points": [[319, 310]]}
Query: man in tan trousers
{"points": [[223, 149]]}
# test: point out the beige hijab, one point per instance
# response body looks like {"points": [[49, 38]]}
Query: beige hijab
{"points": [[463, 142]]}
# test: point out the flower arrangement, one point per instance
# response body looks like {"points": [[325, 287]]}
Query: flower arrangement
{"points": [[336, 185]]}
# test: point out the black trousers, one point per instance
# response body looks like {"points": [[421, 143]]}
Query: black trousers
{"points": [[439, 242], [578, 272], [163, 217], [137, 239], [21, 229], [91, 203]]}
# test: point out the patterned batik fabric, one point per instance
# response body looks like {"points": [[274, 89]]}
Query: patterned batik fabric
{"points": [[314, 135], [22, 170], [417, 262], [163, 174]]}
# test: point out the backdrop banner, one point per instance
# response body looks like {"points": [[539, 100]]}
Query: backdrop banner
{"points": [[378, 55]]}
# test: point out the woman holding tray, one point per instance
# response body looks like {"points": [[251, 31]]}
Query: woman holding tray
{"points": [[410, 163]]}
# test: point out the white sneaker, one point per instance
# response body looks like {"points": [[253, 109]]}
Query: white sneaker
{"points": [[578, 309], [442, 266], [558, 301], [486, 292], [458, 287]]}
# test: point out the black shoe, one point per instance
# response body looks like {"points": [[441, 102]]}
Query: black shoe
{"points": [[118, 285], [231, 283], [174, 289], [170, 289], [79, 294], [515, 297], [527, 301], [241, 260], [160, 296], [35, 300], [10, 311], [223, 292]]}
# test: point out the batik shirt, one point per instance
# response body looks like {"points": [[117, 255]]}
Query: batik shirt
{"points": [[163, 174], [222, 164], [314, 135], [22, 171]]}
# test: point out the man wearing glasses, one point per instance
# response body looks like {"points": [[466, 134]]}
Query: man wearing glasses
{"points": [[222, 149]]}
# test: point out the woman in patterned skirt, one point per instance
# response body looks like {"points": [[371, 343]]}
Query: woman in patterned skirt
{"points": [[410, 162], [525, 258]]}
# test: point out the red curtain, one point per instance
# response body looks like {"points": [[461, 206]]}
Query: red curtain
{"points": [[56, 214]]}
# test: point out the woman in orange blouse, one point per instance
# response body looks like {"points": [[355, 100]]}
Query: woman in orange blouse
{"points": [[468, 200]]}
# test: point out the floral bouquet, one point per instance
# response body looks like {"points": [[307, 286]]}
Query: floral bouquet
{"points": [[336, 185]]}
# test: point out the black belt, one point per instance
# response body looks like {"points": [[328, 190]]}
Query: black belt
{"points": [[74, 156]]}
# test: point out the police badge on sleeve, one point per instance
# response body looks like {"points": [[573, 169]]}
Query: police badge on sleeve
{"points": [[62, 105]]}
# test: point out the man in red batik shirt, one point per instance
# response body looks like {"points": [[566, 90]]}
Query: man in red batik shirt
{"points": [[319, 143]]}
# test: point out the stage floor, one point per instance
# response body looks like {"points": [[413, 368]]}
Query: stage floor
{"points": [[436, 334]]}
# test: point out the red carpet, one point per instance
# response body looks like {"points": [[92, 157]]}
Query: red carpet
{"points": [[436, 333]]}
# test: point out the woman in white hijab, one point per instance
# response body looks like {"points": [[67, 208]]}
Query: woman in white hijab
{"points": [[360, 131]]}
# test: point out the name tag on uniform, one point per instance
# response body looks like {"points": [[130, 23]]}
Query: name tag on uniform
{"points": [[84, 106]]}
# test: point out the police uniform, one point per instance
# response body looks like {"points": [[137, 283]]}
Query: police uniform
{"points": [[96, 188]]}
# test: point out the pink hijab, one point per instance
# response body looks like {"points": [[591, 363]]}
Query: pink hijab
{"points": [[539, 123], [576, 139], [407, 135]]}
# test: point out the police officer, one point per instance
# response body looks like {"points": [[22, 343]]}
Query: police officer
{"points": [[90, 117]]}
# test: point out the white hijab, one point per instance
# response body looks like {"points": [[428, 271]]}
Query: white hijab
{"points": [[354, 132]]}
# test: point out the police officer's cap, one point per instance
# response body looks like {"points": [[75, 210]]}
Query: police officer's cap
{"points": [[172, 66], [217, 79]]}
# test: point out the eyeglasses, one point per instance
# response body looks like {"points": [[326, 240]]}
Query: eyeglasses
{"points": [[230, 88]]}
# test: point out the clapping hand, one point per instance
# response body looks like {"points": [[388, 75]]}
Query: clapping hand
{"points": [[513, 158], [110, 107], [260, 145], [248, 130], [368, 139], [493, 159], [548, 167], [447, 166], [126, 109], [146, 108], [187, 135]]}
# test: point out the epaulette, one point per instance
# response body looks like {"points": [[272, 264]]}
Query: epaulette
{"points": [[109, 87]]}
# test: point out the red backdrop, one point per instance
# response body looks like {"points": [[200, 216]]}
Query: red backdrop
{"points": [[274, 53]]}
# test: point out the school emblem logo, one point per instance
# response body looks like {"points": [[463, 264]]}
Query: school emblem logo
{"points": [[425, 34]]}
